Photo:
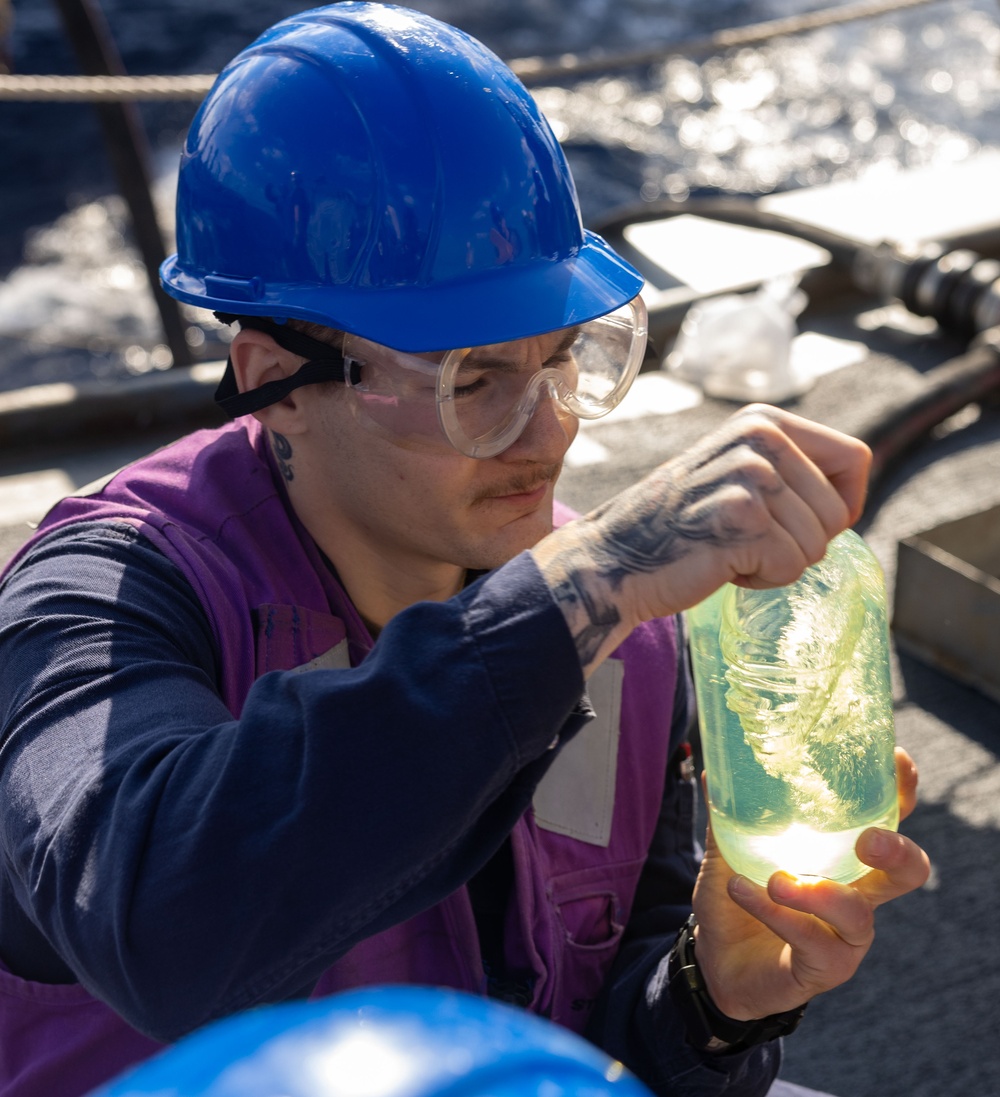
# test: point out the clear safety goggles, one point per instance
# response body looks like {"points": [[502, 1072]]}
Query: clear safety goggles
{"points": [[480, 399]]}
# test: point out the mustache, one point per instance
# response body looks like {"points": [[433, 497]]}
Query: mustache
{"points": [[524, 482]]}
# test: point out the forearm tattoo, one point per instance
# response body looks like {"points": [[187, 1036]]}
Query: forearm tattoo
{"points": [[591, 620], [637, 536]]}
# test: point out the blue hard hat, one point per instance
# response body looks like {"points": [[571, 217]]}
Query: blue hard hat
{"points": [[381, 1042], [374, 170]]}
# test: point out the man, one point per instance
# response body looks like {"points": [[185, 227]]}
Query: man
{"points": [[298, 705]]}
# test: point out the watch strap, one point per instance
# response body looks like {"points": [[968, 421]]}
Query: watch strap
{"points": [[708, 1028]]}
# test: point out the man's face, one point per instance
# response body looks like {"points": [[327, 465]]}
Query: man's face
{"points": [[416, 505]]}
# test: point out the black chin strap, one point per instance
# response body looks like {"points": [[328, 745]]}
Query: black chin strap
{"points": [[324, 363]]}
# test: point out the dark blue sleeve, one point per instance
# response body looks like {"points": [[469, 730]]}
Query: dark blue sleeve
{"points": [[634, 1019], [182, 864]]}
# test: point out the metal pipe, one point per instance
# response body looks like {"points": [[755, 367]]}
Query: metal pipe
{"points": [[6, 23], [63, 416], [125, 140]]}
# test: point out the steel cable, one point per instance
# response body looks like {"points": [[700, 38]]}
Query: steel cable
{"points": [[531, 70], [104, 88]]}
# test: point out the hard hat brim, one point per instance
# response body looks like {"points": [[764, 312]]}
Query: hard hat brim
{"points": [[492, 307]]}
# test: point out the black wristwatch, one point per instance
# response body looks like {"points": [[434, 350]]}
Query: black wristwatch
{"points": [[709, 1029]]}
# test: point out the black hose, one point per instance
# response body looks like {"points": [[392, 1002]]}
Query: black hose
{"points": [[970, 378]]}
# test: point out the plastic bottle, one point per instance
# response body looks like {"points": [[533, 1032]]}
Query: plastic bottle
{"points": [[795, 709]]}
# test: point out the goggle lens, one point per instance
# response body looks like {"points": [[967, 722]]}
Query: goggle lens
{"points": [[480, 399], [486, 395]]}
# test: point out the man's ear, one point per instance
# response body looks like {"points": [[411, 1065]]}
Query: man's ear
{"points": [[257, 359]]}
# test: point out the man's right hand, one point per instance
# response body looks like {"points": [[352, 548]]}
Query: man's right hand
{"points": [[753, 503]]}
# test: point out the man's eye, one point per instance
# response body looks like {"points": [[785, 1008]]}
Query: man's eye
{"points": [[469, 386]]}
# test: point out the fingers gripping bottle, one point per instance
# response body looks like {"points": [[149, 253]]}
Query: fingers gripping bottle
{"points": [[795, 709]]}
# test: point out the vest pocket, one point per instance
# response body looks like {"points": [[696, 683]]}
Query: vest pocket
{"points": [[590, 917], [592, 904], [591, 921], [592, 929]]}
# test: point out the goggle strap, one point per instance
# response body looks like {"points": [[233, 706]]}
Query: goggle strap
{"points": [[305, 346], [325, 363], [235, 403]]}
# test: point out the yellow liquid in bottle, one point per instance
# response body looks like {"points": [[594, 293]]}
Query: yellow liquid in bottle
{"points": [[795, 710]]}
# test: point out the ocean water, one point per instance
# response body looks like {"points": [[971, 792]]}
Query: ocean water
{"points": [[909, 89]]}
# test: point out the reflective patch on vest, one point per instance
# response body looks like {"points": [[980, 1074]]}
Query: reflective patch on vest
{"points": [[337, 658], [576, 797]]}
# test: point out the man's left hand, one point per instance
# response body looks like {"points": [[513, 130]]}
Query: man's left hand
{"points": [[767, 950]]}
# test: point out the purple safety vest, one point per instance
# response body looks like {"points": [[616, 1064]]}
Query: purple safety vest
{"points": [[577, 853]]}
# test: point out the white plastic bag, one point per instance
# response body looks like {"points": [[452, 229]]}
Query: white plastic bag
{"points": [[738, 346]]}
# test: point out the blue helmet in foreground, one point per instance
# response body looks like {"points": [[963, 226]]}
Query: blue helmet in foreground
{"points": [[374, 170], [382, 1042]]}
